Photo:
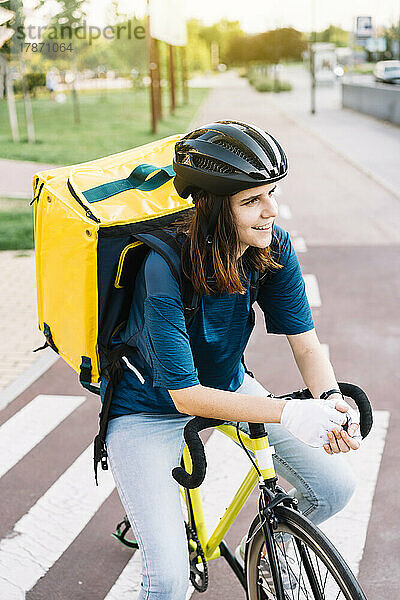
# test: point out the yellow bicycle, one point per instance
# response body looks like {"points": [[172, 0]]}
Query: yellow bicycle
{"points": [[286, 556]]}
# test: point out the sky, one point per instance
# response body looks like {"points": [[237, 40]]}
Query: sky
{"points": [[257, 15]]}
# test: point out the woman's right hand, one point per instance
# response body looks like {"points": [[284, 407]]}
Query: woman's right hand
{"points": [[310, 420]]}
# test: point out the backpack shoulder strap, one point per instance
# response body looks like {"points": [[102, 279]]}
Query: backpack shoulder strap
{"points": [[165, 245], [254, 286], [170, 249]]}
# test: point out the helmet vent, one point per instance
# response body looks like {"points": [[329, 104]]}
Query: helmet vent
{"points": [[212, 164], [253, 160], [267, 149]]}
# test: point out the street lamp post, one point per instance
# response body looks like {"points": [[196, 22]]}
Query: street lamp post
{"points": [[398, 37], [312, 59], [6, 34]]}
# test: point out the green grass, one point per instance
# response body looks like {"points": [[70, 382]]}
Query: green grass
{"points": [[111, 121], [268, 84], [16, 225], [363, 69]]}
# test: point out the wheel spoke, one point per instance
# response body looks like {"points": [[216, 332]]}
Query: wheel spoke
{"points": [[326, 578], [319, 573], [313, 570], [309, 567], [300, 587], [300, 562]]}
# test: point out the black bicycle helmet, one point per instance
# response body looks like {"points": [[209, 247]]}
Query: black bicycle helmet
{"points": [[226, 157]]}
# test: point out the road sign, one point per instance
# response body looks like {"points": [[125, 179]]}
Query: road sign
{"points": [[364, 27]]}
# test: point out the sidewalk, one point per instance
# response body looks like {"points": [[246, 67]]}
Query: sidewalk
{"points": [[16, 177], [19, 334], [370, 144]]}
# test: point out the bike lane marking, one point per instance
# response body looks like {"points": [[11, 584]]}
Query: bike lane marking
{"points": [[285, 212], [348, 529], [28, 377], [41, 536], [31, 424], [325, 348], [312, 290], [299, 244]]}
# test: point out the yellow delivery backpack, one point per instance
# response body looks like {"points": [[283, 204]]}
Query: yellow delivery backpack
{"points": [[94, 224]]}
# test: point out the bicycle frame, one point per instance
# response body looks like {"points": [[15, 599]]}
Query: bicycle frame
{"points": [[263, 456], [214, 546]]}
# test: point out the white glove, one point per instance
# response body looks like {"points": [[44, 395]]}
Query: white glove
{"points": [[310, 420]]}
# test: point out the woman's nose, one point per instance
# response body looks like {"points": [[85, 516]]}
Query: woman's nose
{"points": [[270, 207]]}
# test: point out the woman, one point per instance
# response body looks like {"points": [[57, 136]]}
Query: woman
{"points": [[231, 170]]}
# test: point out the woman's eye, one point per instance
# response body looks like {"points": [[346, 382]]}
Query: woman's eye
{"points": [[252, 201]]}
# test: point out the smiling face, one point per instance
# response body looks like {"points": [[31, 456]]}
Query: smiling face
{"points": [[254, 211]]}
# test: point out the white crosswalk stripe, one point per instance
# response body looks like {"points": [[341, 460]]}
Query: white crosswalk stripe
{"points": [[43, 534], [128, 583], [348, 529], [325, 348], [285, 212], [31, 424], [312, 290], [299, 244], [25, 379]]}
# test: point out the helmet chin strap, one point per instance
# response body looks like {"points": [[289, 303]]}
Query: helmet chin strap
{"points": [[208, 229]]}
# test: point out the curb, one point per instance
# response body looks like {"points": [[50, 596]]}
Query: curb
{"points": [[379, 180], [25, 379]]}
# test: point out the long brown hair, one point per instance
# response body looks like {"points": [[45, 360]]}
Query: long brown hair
{"points": [[227, 268]]}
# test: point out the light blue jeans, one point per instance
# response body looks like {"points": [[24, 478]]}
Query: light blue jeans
{"points": [[144, 448]]}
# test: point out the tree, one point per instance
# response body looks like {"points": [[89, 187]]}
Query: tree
{"points": [[8, 17], [18, 24], [392, 36], [334, 35], [222, 33], [197, 50], [267, 48], [62, 27]]}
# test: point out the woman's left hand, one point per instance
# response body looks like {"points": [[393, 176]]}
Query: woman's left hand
{"points": [[343, 441]]}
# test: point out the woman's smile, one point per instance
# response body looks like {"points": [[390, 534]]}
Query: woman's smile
{"points": [[255, 211], [265, 227]]}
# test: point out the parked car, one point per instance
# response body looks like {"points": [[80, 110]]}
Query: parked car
{"points": [[387, 71]]}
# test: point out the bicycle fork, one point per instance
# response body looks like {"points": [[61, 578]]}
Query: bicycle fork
{"points": [[268, 520], [270, 496]]}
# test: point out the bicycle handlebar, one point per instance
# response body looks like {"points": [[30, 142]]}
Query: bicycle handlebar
{"points": [[196, 448]]}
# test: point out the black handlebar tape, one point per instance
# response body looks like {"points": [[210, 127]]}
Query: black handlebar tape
{"points": [[257, 430], [363, 404], [196, 449]]}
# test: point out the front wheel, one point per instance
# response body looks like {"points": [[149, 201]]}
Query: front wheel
{"points": [[310, 566]]}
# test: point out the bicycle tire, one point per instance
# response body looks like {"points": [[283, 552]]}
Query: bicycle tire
{"points": [[300, 528]]}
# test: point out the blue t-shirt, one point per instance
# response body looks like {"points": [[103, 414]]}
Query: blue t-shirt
{"points": [[168, 357]]}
